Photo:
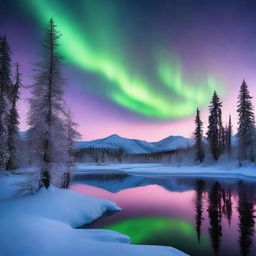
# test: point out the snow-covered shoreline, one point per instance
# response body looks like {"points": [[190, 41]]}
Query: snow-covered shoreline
{"points": [[216, 170], [45, 224]]}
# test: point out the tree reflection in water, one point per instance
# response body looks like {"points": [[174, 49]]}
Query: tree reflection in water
{"points": [[227, 204], [246, 218], [220, 204], [214, 213], [222, 209], [199, 187]]}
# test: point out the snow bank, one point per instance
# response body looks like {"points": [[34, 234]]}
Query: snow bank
{"points": [[43, 224], [95, 167], [63, 205], [8, 184], [30, 236], [218, 170]]}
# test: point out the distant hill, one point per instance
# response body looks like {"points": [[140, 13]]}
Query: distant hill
{"points": [[133, 146], [172, 143]]}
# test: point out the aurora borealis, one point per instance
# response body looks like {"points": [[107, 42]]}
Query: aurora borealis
{"points": [[139, 65], [127, 89]]}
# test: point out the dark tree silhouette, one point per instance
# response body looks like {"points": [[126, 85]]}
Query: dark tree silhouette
{"points": [[214, 212], [246, 219], [229, 136], [198, 134], [246, 124], [227, 204], [199, 187], [215, 133], [5, 85], [12, 123]]}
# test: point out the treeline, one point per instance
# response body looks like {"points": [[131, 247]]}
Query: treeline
{"points": [[216, 143], [49, 146], [105, 155], [9, 94], [218, 138]]}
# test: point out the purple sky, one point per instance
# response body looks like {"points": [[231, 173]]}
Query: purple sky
{"points": [[205, 35]]}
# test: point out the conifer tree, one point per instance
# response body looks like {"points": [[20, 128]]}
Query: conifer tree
{"points": [[13, 122], [47, 134], [246, 124], [5, 85], [72, 136], [215, 128], [198, 134], [222, 137], [229, 136]]}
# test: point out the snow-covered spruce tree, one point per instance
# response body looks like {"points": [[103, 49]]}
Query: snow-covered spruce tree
{"points": [[246, 124], [222, 137], [5, 85], [215, 128], [47, 133], [13, 122], [72, 136], [198, 135], [229, 136]]}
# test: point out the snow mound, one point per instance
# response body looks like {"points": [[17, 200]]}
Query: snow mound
{"points": [[42, 224], [30, 236], [62, 205]]}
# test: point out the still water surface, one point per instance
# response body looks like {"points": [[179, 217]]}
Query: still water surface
{"points": [[200, 216]]}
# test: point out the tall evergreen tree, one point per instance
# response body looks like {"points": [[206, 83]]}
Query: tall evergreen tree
{"points": [[47, 132], [5, 85], [246, 124], [198, 134], [13, 122], [215, 128]]}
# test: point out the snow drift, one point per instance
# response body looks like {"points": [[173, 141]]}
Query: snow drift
{"points": [[43, 224]]}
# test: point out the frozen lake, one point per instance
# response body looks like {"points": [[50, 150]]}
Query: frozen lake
{"points": [[200, 216]]}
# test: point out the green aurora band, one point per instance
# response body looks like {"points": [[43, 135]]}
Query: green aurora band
{"points": [[152, 230], [92, 46]]}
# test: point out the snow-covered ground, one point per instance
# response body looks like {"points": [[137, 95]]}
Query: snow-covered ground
{"points": [[44, 224], [216, 170]]}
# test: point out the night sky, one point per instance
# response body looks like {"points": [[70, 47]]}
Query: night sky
{"points": [[139, 68]]}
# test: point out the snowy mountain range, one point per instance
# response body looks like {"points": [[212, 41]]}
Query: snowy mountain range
{"points": [[134, 146]]}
